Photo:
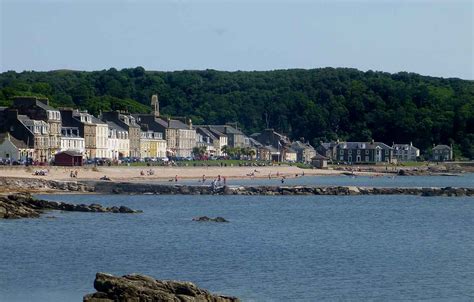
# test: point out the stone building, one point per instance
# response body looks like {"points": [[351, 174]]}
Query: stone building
{"points": [[38, 109], [442, 153], [364, 152], [405, 152], [180, 137], [33, 133], [94, 131], [304, 151]]}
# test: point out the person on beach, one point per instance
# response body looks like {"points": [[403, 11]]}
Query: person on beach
{"points": [[176, 178], [225, 180], [203, 178]]}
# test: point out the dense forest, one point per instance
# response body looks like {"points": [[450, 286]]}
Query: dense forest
{"points": [[318, 104]]}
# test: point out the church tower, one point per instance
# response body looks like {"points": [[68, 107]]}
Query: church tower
{"points": [[155, 105]]}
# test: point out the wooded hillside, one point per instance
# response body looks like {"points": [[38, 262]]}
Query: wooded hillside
{"points": [[317, 104]]}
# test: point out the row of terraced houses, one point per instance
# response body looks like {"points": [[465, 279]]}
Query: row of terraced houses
{"points": [[32, 129]]}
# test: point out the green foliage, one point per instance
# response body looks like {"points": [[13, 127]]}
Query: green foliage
{"points": [[317, 104]]}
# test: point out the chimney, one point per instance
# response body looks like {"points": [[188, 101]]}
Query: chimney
{"points": [[411, 144], [372, 141], [190, 124], [302, 139], [169, 122]]}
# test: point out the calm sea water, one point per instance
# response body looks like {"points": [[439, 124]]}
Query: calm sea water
{"points": [[285, 248], [464, 180]]}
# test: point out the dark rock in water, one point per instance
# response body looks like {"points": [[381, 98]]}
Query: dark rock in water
{"points": [[25, 206], [207, 219], [137, 288]]}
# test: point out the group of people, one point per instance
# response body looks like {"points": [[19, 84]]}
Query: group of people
{"points": [[41, 172], [148, 172], [73, 174]]}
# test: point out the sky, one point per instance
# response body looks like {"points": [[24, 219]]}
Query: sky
{"points": [[433, 38]]}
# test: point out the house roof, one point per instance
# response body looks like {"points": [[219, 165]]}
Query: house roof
{"points": [[362, 145], [114, 126], [173, 124], [298, 145], [16, 142], [226, 129], [70, 153], [206, 132], [319, 156], [271, 148], [216, 132], [254, 142], [442, 147], [404, 146]]}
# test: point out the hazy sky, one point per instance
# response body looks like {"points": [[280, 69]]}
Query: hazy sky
{"points": [[428, 37]]}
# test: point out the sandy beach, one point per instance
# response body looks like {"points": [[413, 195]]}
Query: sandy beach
{"points": [[122, 173]]}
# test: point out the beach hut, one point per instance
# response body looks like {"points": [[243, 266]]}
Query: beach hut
{"points": [[68, 158]]}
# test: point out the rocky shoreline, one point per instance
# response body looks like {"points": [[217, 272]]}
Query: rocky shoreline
{"points": [[16, 206], [143, 288]]}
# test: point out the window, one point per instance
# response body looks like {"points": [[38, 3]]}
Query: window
{"points": [[366, 158], [366, 152], [350, 151], [358, 152], [341, 152]]}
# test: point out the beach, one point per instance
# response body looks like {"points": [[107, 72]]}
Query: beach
{"points": [[125, 173]]}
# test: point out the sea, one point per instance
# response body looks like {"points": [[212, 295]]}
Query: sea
{"points": [[274, 248]]}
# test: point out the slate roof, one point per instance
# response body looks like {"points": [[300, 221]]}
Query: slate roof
{"points": [[298, 145], [206, 132], [319, 156], [16, 142], [404, 147], [362, 145], [116, 127], [442, 147]]}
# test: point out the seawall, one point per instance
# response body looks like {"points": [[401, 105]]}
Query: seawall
{"points": [[112, 187]]}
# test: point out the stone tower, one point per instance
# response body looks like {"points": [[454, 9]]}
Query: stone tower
{"points": [[155, 105]]}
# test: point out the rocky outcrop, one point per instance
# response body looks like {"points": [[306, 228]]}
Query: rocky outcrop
{"points": [[139, 288], [41, 185], [207, 219], [25, 206]]}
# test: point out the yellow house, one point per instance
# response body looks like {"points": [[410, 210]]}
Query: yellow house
{"points": [[152, 144]]}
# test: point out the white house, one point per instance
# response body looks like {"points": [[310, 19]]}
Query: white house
{"points": [[118, 143], [14, 149], [71, 140]]}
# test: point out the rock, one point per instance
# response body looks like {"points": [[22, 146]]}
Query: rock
{"points": [[137, 288], [25, 206], [207, 219]]}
